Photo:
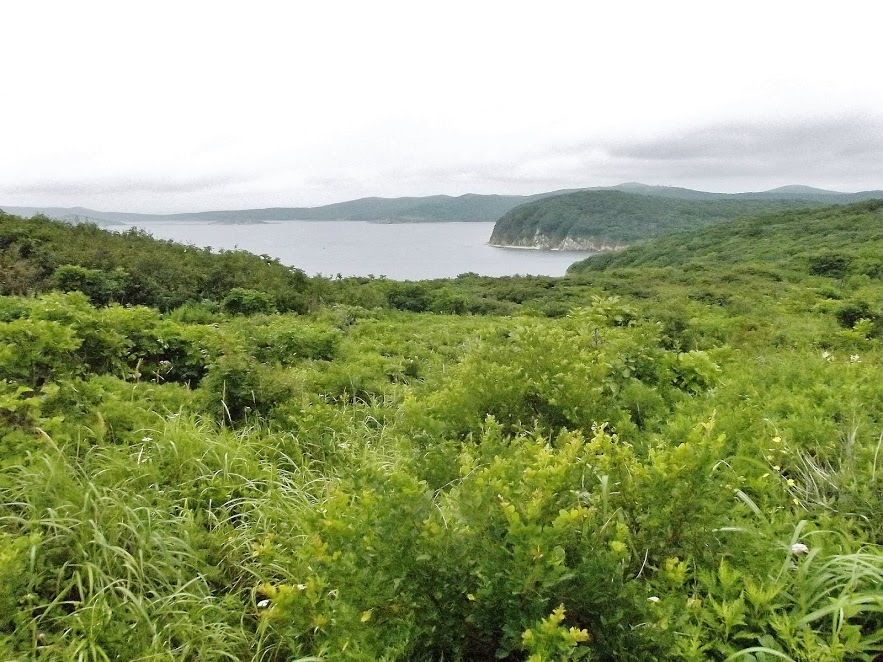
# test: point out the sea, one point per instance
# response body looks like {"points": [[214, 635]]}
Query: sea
{"points": [[400, 251]]}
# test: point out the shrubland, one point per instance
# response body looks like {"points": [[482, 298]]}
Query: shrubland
{"points": [[676, 452]]}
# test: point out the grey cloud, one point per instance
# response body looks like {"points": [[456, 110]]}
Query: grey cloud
{"points": [[850, 136], [129, 185], [842, 153], [490, 177], [837, 149], [835, 152]]}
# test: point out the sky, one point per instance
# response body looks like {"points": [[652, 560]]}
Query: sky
{"points": [[185, 106]]}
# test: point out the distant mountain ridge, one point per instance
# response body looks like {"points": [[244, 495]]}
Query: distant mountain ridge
{"points": [[788, 192], [470, 207], [613, 218]]}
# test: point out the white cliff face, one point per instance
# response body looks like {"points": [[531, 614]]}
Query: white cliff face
{"points": [[542, 241]]}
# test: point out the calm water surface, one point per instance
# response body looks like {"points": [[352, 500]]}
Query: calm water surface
{"points": [[403, 251]]}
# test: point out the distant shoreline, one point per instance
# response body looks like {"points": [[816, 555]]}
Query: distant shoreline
{"points": [[242, 222], [544, 248]]}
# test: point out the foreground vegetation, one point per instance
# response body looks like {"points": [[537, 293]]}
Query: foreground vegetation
{"points": [[674, 453]]}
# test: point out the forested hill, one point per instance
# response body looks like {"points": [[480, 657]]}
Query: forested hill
{"points": [[832, 241], [611, 219], [435, 208]]}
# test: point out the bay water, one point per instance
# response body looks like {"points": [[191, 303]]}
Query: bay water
{"points": [[401, 251]]}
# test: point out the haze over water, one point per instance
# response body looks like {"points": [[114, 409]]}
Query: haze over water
{"points": [[401, 251]]}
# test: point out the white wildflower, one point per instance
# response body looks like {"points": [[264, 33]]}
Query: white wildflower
{"points": [[855, 359], [799, 548], [653, 599], [263, 604], [146, 439], [827, 355]]}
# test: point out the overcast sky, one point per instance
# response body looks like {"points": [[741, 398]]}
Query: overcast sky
{"points": [[185, 106]]}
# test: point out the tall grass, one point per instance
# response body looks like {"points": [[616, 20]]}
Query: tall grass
{"points": [[145, 552]]}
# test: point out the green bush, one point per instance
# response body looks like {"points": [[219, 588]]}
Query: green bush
{"points": [[101, 287], [567, 373], [287, 340], [34, 351], [831, 265], [853, 311], [413, 297], [241, 301], [235, 389]]}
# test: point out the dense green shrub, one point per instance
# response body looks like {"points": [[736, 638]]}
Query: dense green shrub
{"points": [[853, 311], [568, 373], [285, 340], [831, 265], [33, 351], [200, 312], [235, 388], [101, 287], [449, 301], [241, 301], [413, 297], [685, 466]]}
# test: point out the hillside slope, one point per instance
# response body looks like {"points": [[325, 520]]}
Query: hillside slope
{"points": [[830, 241]]}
